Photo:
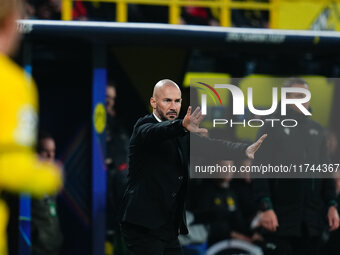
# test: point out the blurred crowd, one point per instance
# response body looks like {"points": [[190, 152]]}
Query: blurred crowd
{"points": [[42, 9], [100, 11]]}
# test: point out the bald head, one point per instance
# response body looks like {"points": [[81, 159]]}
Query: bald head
{"points": [[166, 100], [161, 85]]}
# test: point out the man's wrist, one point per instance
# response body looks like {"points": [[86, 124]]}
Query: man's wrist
{"points": [[266, 204], [333, 203], [185, 130], [246, 150]]}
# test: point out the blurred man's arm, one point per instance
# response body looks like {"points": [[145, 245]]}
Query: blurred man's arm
{"points": [[328, 189], [261, 189], [24, 172], [269, 220]]}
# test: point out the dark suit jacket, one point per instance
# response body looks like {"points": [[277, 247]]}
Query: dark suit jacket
{"points": [[158, 169]]}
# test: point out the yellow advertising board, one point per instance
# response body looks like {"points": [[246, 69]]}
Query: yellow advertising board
{"points": [[309, 15]]}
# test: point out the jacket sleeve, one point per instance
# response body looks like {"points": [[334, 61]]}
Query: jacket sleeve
{"points": [[216, 149], [329, 193], [328, 185], [261, 189], [324, 157], [261, 193], [155, 132]]}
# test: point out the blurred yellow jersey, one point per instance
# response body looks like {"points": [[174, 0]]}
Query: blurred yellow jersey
{"points": [[20, 168], [3, 225], [18, 106]]}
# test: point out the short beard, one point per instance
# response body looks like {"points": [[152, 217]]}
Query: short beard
{"points": [[161, 115]]}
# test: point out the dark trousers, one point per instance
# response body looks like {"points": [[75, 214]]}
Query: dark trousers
{"points": [[144, 241], [293, 245]]}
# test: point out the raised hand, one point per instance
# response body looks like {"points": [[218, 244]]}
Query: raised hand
{"points": [[250, 151], [192, 121]]}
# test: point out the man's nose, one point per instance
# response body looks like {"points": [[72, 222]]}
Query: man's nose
{"points": [[173, 105]]}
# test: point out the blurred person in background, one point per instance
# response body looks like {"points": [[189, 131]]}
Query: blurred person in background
{"points": [[20, 169], [241, 184], [294, 210], [29, 9], [191, 15], [51, 10], [332, 145], [117, 142], [47, 9], [45, 228], [332, 246], [220, 209], [79, 11], [250, 18]]}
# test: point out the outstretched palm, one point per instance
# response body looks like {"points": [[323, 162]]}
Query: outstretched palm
{"points": [[250, 151], [192, 121]]}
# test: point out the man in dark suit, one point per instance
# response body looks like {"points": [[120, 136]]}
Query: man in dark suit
{"points": [[153, 206]]}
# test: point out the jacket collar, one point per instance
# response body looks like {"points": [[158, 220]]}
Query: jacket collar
{"points": [[156, 118]]}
